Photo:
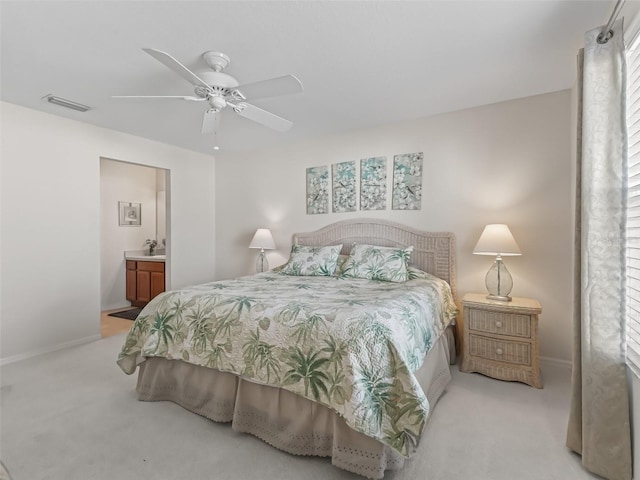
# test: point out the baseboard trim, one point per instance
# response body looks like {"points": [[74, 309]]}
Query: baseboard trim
{"points": [[54, 348], [556, 362]]}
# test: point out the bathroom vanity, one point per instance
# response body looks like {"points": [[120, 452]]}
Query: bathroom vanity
{"points": [[145, 278]]}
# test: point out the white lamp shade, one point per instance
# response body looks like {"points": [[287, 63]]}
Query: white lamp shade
{"points": [[263, 239], [496, 239]]}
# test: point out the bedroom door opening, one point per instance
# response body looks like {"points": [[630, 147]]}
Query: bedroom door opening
{"points": [[135, 214]]}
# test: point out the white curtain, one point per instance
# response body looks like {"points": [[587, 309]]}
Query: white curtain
{"points": [[599, 420]]}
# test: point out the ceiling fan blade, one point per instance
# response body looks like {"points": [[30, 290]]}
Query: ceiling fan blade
{"points": [[210, 121], [263, 117], [273, 87], [181, 97], [176, 66]]}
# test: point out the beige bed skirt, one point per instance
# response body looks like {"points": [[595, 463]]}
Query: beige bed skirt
{"points": [[283, 419]]}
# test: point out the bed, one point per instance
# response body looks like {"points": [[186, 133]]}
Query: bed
{"points": [[358, 364]]}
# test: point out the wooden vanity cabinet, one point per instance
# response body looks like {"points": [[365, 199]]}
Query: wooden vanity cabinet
{"points": [[145, 280]]}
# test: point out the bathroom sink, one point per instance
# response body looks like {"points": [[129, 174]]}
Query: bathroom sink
{"points": [[141, 256]]}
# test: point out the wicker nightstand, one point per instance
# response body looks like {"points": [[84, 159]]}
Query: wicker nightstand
{"points": [[500, 339]]}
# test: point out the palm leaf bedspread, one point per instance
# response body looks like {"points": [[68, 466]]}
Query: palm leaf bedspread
{"points": [[350, 344]]}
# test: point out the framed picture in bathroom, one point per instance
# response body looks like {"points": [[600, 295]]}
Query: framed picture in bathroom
{"points": [[129, 214]]}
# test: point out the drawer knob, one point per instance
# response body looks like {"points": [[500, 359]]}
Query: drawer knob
{"points": [[498, 351], [498, 324]]}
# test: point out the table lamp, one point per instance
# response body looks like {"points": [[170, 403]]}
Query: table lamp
{"points": [[496, 239], [264, 241]]}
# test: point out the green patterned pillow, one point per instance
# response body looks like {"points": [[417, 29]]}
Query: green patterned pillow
{"points": [[378, 263], [341, 261], [306, 260]]}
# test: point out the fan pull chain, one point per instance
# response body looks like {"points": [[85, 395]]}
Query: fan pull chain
{"points": [[215, 133]]}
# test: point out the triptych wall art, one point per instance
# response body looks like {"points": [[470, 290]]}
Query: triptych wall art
{"points": [[407, 185], [373, 183], [344, 186], [407, 181], [317, 190]]}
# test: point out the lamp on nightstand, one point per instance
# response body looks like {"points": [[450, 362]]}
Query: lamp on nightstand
{"points": [[264, 241], [497, 240]]}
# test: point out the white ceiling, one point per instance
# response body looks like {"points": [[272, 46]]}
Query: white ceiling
{"points": [[362, 63]]}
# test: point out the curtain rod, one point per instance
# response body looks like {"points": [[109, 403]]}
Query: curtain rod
{"points": [[607, 33]]}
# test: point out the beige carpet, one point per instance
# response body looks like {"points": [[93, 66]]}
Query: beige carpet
{"points": [[72, 415]]}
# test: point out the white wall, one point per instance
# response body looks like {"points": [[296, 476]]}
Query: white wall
{"points": [[50, 237], [161, 207], [123, 182], [504, 163]]}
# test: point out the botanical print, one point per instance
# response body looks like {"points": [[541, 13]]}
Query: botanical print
{"points": [[373, 183], [306, 260], [385, 264], [407, 181], [344, 186], [317, 190], [349, 344]]}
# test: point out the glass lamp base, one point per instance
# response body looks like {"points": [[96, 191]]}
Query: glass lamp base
{"points": [[500, 298], [499, 282], [262, 265]]}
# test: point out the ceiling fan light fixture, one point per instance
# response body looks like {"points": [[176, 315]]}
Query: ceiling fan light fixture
{"points": [[62, 102], [218, 102], [220, 90]]}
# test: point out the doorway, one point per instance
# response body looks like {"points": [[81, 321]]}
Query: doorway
{"points": [[142, 192]]}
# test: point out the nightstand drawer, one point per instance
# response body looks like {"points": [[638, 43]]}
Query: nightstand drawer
{"points": [[500, 350], [502, 323]]}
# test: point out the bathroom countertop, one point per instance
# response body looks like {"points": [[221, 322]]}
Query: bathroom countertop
{"points": [[143, 255]]}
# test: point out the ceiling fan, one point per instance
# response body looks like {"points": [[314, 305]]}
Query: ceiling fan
{"points": [[220, 90]]}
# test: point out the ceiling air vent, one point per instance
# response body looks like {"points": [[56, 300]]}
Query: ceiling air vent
{"points": [[66, 103]]}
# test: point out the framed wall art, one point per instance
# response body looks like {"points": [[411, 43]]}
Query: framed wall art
{"points": [[317, 190], [344, 186], [129, 214], [373, 183], [407, 181]]}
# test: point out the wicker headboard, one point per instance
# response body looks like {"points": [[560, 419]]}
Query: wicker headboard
{"points": [[433, 252]]}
